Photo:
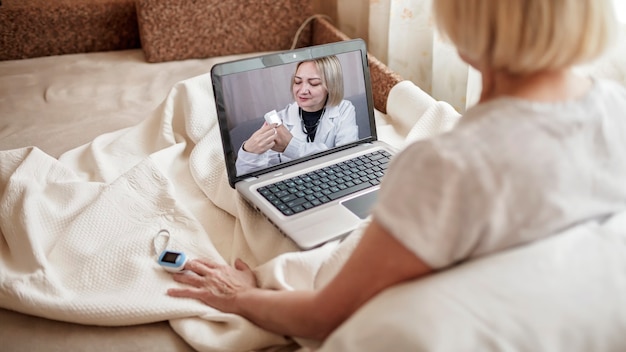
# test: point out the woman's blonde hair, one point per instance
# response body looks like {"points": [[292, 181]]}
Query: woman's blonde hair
{"points": [[331, 74], [524, 36]]}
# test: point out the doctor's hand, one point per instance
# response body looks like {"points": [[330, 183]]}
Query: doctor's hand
{"points": [[261, 140], [213, 284], [282, 139]]}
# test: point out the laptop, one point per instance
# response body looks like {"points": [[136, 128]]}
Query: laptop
{"points": [[315, 197]]}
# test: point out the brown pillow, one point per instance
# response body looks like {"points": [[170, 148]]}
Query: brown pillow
{"points": [[185, 29]]}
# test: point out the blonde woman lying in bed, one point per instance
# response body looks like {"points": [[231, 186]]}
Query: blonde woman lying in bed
{"points": [[542, 151]]}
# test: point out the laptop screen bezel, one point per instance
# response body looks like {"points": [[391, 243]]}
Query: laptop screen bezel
{"points": [[221, 70]]}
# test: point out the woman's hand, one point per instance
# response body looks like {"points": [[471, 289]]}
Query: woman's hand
{"points": [[282, 139], [261, 140], [214, 284]]}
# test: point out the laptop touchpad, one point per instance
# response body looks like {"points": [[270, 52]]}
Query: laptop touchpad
{"points": [[362, 205]]}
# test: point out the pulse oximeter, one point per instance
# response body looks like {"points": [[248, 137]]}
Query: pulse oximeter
{"points": [[172, 261]]}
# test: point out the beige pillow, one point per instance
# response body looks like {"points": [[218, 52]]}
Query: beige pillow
{"points": [[184, 29], [566, 292]]}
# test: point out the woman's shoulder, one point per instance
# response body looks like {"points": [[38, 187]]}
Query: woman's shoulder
{"points": [[609, 84], [611, 89], [480, 135], [342, 109], [449, 151], [602, 90], [345, 105]]}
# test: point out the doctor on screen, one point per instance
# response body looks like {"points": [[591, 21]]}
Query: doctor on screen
{"points": [[318, 119]]}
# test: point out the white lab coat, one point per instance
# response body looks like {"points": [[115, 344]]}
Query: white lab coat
{"points": [[337, 127]]}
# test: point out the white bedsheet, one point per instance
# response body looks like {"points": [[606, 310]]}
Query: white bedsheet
{"points": [[78, 231]]}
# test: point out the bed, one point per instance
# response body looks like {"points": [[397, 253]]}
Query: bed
{"points": [[103, 146]]}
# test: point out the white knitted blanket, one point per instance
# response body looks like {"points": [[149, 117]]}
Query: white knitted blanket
{"points": [[78, 233]]}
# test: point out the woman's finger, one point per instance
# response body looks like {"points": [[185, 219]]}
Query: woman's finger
{"points": [[241, 265], [189, 278], [198, 267], [190, 292], [208, 262]]}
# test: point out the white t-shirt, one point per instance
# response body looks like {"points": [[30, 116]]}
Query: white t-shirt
{"points": [[511, 172]]}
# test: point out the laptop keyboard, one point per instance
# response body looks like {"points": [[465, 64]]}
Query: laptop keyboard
{"points": [[299, 193]]}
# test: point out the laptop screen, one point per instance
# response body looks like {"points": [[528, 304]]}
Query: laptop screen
{"points": [[319, 98]]}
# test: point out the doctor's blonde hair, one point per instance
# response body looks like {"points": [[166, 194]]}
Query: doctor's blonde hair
{"points": [[524, 36], [329, 68]]}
